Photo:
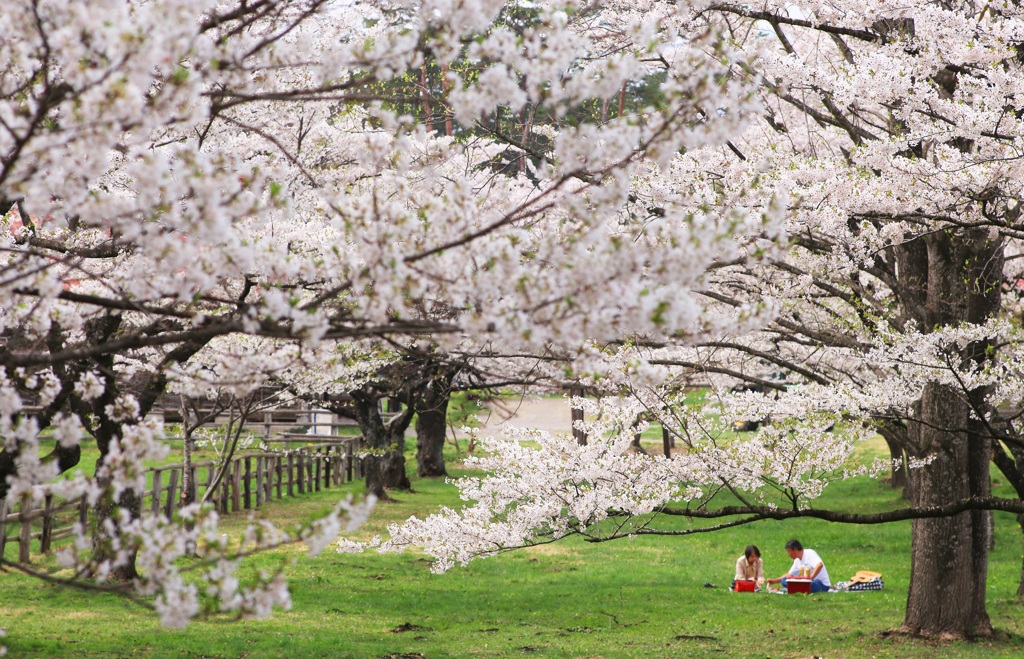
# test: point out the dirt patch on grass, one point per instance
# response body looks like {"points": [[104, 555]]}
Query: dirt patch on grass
{"points": [[408, 627]]}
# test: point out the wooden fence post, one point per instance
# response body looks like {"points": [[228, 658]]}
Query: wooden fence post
{"points": [[209, 477], [155, 503], [302, 473], [248, 483], [3, 528], [280, 475], [349, 460], [259, 481], [225, 488], [291, 465], [236, 493], [171, 499], [47, 532], [317, 459]]}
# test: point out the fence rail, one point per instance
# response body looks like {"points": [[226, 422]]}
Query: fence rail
{"points": [[248, 482]]}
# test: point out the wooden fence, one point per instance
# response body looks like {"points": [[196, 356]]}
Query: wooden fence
{"points": [[248, 482]]}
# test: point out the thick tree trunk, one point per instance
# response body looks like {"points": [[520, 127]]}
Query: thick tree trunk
{"points": [[104, 539], [949, 556], [385, 472], [384, 463], [431, 426], [949, 559]]}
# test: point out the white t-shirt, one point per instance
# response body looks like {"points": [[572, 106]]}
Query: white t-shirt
{"points": [[809, 560]]}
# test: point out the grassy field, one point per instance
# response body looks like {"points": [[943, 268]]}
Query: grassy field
{"points": [[641, 598]]}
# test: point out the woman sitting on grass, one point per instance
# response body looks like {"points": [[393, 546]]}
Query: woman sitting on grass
{"points": [[749, 566]]}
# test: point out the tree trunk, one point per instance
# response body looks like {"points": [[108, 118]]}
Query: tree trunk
{"points": [[949, 556], [104, 539], [189, 424], [431, 426], [384, 463], [188, 485], [898, 460], [385, 468]]}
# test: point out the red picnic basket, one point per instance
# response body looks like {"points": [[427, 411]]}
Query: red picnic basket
{"points": [[744, 585], [794, 585]]}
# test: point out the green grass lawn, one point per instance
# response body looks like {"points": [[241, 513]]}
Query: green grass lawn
{"points": [[640, 598]]}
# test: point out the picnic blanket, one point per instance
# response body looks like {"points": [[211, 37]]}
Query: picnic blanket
{"points": [[863, 580]]}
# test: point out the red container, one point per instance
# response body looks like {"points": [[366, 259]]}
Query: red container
{"points": [[745, 585], [798, 586]]}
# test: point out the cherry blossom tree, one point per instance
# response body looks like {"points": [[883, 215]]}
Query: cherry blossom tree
{"points": [[175, 171]]}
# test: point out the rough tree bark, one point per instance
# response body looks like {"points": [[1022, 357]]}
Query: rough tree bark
{"points": [[432, 426], [949, 556], [384, 463]]}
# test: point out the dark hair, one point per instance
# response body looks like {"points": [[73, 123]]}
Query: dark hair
{"points": [[794, 545], [751, 549]]}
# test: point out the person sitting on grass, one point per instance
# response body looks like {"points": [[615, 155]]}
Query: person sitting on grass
{"points": [[749, 565], [812, 564]]}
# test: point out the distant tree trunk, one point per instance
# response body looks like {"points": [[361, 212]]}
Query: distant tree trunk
{"points": [[130, 501], [106, 431], [432, 426], [425, 96], [384, 463], [637, 446], [446, 87], [189, 423], [896, 441]]}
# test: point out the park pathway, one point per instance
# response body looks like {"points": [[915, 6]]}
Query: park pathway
{"points": [[550, 414]]}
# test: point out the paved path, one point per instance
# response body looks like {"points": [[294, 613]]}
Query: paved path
{"points": [[550, 414]]}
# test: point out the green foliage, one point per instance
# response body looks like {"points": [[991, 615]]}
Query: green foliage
{"points": [[462, 409]]}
